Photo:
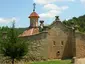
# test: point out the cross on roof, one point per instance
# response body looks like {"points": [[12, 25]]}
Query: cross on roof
{"points": [[34, 7]]}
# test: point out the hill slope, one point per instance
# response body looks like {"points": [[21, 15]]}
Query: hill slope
{"points": [[79, 23]]}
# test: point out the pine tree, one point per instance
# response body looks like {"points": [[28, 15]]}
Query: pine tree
{"points": [[13, 47]]}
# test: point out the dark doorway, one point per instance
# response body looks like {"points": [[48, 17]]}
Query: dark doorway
{"points": [[58, 55]]}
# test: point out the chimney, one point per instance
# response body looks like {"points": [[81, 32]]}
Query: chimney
{"points": [[57, 18], [41, 24]]}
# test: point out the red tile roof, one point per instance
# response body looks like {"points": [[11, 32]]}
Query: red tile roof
{"points": [[34, 14], [29, 32]]}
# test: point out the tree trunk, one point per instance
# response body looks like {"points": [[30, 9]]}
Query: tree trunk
{"points": [[12, 61]]}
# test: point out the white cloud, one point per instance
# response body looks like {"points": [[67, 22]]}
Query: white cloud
{"points": [[7, 20], [50, 1], [83, 1], [64, 7], [44, 1], [53, 10], [54, 7], [51, 6], [49, 14]]}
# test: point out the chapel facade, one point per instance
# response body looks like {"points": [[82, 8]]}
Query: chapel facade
{"points": [[56, 41]]}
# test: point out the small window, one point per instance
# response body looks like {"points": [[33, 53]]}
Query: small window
{"points": [[54, 43], [58, 52], [61, 42]]}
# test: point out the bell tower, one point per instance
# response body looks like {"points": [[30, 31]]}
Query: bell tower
{"points": [[34, 18]]}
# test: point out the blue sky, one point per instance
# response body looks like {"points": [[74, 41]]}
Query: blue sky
{"points": [[19, 10]]}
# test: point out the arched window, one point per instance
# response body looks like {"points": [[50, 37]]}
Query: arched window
{"points": [[62, 43], [54, 43]]}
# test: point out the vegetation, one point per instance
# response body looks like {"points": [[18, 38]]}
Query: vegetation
{"points": [[6, 28], [52, 62], [12, 46], [79, 23]]}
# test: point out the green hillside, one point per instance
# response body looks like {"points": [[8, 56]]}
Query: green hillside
{"points": [[77, 22]]}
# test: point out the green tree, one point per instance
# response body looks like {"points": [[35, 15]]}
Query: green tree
{"points": [[78, 22], [13, 47]]}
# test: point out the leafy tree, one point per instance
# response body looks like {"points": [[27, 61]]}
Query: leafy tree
{"points": [[79, 23], [13, 47]]}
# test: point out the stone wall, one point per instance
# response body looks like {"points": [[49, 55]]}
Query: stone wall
{"points": [[54, 44], [79, 61], [69, 45], [60, 41], [38, 46], [80, 45]]}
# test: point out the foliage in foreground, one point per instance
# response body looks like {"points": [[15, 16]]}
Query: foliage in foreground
{"points": [[12, 46]]}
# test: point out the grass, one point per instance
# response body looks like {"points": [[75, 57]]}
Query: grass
{"points": [[52, 62]]}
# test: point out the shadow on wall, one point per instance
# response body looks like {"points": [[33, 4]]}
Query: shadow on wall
{"points": [[67, 52]]}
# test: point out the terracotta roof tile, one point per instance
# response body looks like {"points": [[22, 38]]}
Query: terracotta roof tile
{"points": [[29, 32], [34, 14]]}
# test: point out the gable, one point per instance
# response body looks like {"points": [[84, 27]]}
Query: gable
{"points": [[59, 25]]}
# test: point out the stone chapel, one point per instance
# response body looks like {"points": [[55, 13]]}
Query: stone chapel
{"points": [[55, 41]]}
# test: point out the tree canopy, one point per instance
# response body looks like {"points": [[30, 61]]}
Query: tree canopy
{"points": [[78, 22]]}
